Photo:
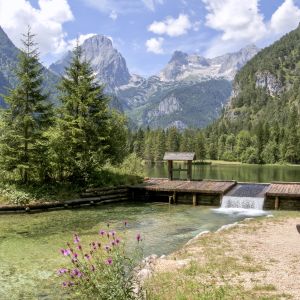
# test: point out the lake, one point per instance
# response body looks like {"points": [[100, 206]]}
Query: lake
{"points": [[239, 172], [30, 243]]}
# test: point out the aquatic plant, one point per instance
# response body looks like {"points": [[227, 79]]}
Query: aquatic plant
{"points": [[103, 269]]}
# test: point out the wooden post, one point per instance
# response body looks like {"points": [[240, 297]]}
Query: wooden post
{"points": [[189, 170], [276, 202], [170, 199], [170, 169], [195, 200], [174, 198]]}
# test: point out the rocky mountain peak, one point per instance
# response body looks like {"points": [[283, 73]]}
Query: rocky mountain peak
{"points": [[108, 64], [179, 57], [98, 40], [183, 66]]}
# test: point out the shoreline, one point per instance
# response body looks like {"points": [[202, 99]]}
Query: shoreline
{"points": [[256, 257]]}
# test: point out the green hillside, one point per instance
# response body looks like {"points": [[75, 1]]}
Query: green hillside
{"points": [[262, 122]]}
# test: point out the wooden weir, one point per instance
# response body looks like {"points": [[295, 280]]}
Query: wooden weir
{"points": [[208, 192], [283, 195]]}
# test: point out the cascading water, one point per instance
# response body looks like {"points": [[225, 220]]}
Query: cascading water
{"points": [[243, 202], [245, 199]]}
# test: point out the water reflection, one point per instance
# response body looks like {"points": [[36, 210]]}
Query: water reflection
{"points": [[241, 173]]}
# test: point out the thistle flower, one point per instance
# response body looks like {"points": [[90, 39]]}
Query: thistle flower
{"points": [[113, 243], [87, 256], [65, 252], [109, 261], [74, 260], [102, 232], [62, 271], [118, 241], [125, 223], [113, 233], [107, 248], [76, 272], [79, 247], [138, 237], [76, 239]]}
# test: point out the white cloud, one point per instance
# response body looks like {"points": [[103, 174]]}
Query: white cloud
{"points": [[241, 23], [285, 18], [113, 15], [155, 45], [196, 26], [150, 4], [45, 21], [235, 19], [172, 27], [120, 7]]}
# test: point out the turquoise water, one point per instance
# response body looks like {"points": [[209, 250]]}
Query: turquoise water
{"points": [[239, 172], [30, 243]]}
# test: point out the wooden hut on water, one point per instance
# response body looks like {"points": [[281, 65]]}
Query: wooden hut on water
{"points": [[188, 157]]}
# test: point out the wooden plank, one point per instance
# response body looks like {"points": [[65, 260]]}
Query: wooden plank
{"points": [[206, 187], [179, 156], [284, 190]]}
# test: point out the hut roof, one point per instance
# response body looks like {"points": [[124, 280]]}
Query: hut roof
{"points": [[179, 156]]}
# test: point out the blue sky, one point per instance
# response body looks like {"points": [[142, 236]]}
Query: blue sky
{"points": [[147, 32]]}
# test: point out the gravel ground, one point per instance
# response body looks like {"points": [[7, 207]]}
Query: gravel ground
{"points": [[271, 243]]}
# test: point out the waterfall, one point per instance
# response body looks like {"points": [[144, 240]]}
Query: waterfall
{"points": [[243, 202], [242, 206]]}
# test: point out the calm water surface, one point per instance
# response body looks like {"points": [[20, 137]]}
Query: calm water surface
{"points": [[29, 244], [242, 173]]}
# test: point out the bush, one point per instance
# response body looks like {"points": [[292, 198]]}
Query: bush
{"points": [[249, 156], [103, 270]]}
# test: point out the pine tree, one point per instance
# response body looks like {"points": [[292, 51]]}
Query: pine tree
{"points": [[200, 149], [83, 120], [172, 139], [160, 146], [23, 124]]}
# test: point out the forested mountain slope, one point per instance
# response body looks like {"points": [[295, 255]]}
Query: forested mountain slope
{"points": [[8, 62], [262, 121]]}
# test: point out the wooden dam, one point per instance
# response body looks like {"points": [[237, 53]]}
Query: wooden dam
{"points": [[276, 195]]}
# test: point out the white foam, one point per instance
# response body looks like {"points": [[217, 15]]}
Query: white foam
{"points": [[242, 206], [255, 203], [241, 211]]}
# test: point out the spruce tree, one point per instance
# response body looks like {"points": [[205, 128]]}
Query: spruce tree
{"points": [[23, 124], [84, 120]]}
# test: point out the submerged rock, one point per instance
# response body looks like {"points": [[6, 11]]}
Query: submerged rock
{"points": [[197, 237], [226, 227]]}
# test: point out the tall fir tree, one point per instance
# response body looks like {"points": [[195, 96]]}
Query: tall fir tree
{"points": [[23, 144], [84, 121]]}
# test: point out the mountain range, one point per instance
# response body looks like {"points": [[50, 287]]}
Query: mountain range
{"points": [[189, 91]]}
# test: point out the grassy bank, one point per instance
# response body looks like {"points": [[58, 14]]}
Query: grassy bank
{"points": [[252, 261], [131, 171]]}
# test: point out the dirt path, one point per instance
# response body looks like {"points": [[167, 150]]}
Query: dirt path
{"points": [[261, 256]]}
